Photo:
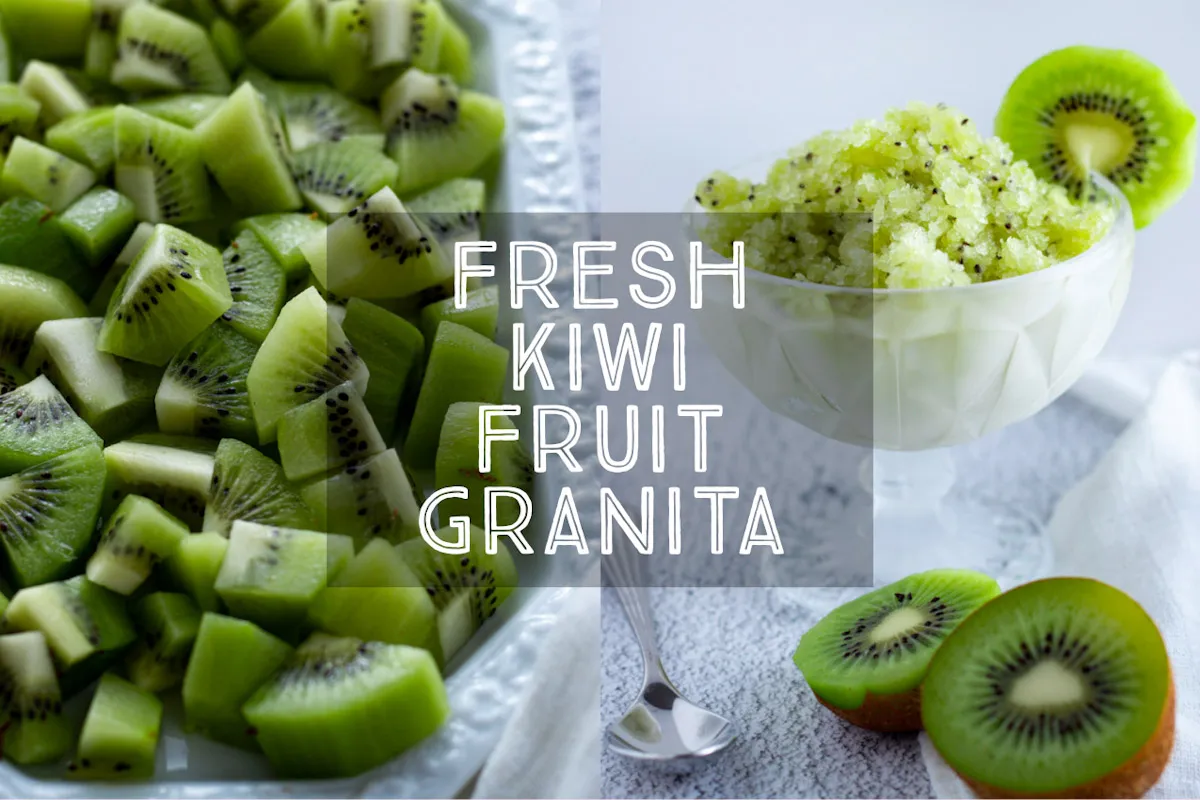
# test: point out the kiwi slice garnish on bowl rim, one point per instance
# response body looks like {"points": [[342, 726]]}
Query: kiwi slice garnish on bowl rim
{"points": [[1084, 109], [1058, 688], [865, 660]]}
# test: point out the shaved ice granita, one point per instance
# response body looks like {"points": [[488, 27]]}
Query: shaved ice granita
{"points": [[917, 200]]}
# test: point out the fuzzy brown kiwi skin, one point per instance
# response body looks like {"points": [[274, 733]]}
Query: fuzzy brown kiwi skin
{"points": [[883, 713]]}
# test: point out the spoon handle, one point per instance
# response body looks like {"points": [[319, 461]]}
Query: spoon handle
{"points": [[625, 576]]}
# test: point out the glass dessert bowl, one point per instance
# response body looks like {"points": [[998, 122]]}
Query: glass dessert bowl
{"points": [[911, 372]]}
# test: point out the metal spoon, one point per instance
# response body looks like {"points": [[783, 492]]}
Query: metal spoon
{"points": [[661, 725]]}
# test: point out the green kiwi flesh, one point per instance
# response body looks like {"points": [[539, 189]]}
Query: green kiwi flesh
{"points": [[30, 237], [370, 498], [1061, 687], [99, 223], [334, 177], [452, 210], [34, 170], [168, 623], [188, 109], [55, 29], [87, 137], [175, 478], [139, 536], [159, 168], [282, 235], [230, 659], [257, 284], [327, 433], [341, 706], [203, 392], [480, 313], [30, 298], [291, 44], [458, 465], [58, 96], [456, 58], [37, 424], [120, 733], [249, 486], [103, 295], [1088, 109], [314, 113], [19, 115], [194, 565], [159, 51], [11, 377], [393, 349], [36, 732]]}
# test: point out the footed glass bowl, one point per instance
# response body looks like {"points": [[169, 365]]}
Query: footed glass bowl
{"points": [[910, 372]]}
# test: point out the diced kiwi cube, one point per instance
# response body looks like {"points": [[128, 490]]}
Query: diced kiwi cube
{"points": [[99, 223], [120, 733]]}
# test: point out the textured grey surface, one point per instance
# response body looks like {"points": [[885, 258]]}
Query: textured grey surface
{"points": [[581, 21]]}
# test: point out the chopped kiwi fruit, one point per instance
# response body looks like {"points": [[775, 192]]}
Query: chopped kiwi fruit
{"points": [[203, 392], [29, 298], [139, 536], [270, 575], [458, 465], [120, 733], [175, 288], [392, 348], [99, 223], [463, 367], [55, 29], [112, 395], [227, 41], [249, 486], [466, 590], [377, 598], [37, 424], [35, 731], [314, 114], [175, 478], [194, 565], [257, 284], [305, 355], [100, 52], [57, 95], [230, 659], [11, 377], [452, 210], [480, 313], [335, 177], [87, 137], [282, 235], [250, 15], [348, 46], [1083, 109], [1058, 688], [377, 250], [34, 170], [48, 515], [19, 115], [30, 238], [406, 32], [159, 51], [85, 625], [438, 131], [187, 110], [168, 623], [341, 706], [455, 58], [243, 145], [327, 433], [159, 168], [98, 305], [7, 56], [866, 659], [292, 43], [371, 498]]}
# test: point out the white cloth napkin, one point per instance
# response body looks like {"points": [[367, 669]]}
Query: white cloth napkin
{"points": [[551, 746], [1135, 523]]}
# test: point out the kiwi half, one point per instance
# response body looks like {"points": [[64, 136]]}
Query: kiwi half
{"points": [[866, 659], [1058, 688], [1088, 109]]}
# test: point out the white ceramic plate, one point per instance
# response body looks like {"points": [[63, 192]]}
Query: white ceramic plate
{"points": [[520, 58]]}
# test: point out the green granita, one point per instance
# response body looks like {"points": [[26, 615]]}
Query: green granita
{"points": [[918, 200]]}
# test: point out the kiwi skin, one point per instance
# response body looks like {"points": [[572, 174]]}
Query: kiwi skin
{"points": [[883, 713]]}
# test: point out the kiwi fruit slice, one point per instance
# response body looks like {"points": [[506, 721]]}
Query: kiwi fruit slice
{"points": [[243, 145], [187, 110], [29, 298], [138, 537], [55, 29], [159, 168], [456, 58], [377, 250], [37, 424], [392, 348], [100, 52], [458, 465], [292, 43], [30, 237], [99, 223], [452, 210], [177, 479], [463, 367], [282, 235], [169, 623], [315, 114], [377, 598], [1083, 109], [466, 590], [480, 314], [327, 433], [34, 170], [348, 47], [1058, 688], [866, 659], [36, 732], [230, 659], [204, 389], [11, 377], [249, 486], [194, 565], [334, 177], [341, 706], [175, 288], [438, 131], [57, 95], [87, 137], [112, 395], [19, 115], [370, 498], [120, 733], [305, 355], [160, 51], [257, 284]]}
